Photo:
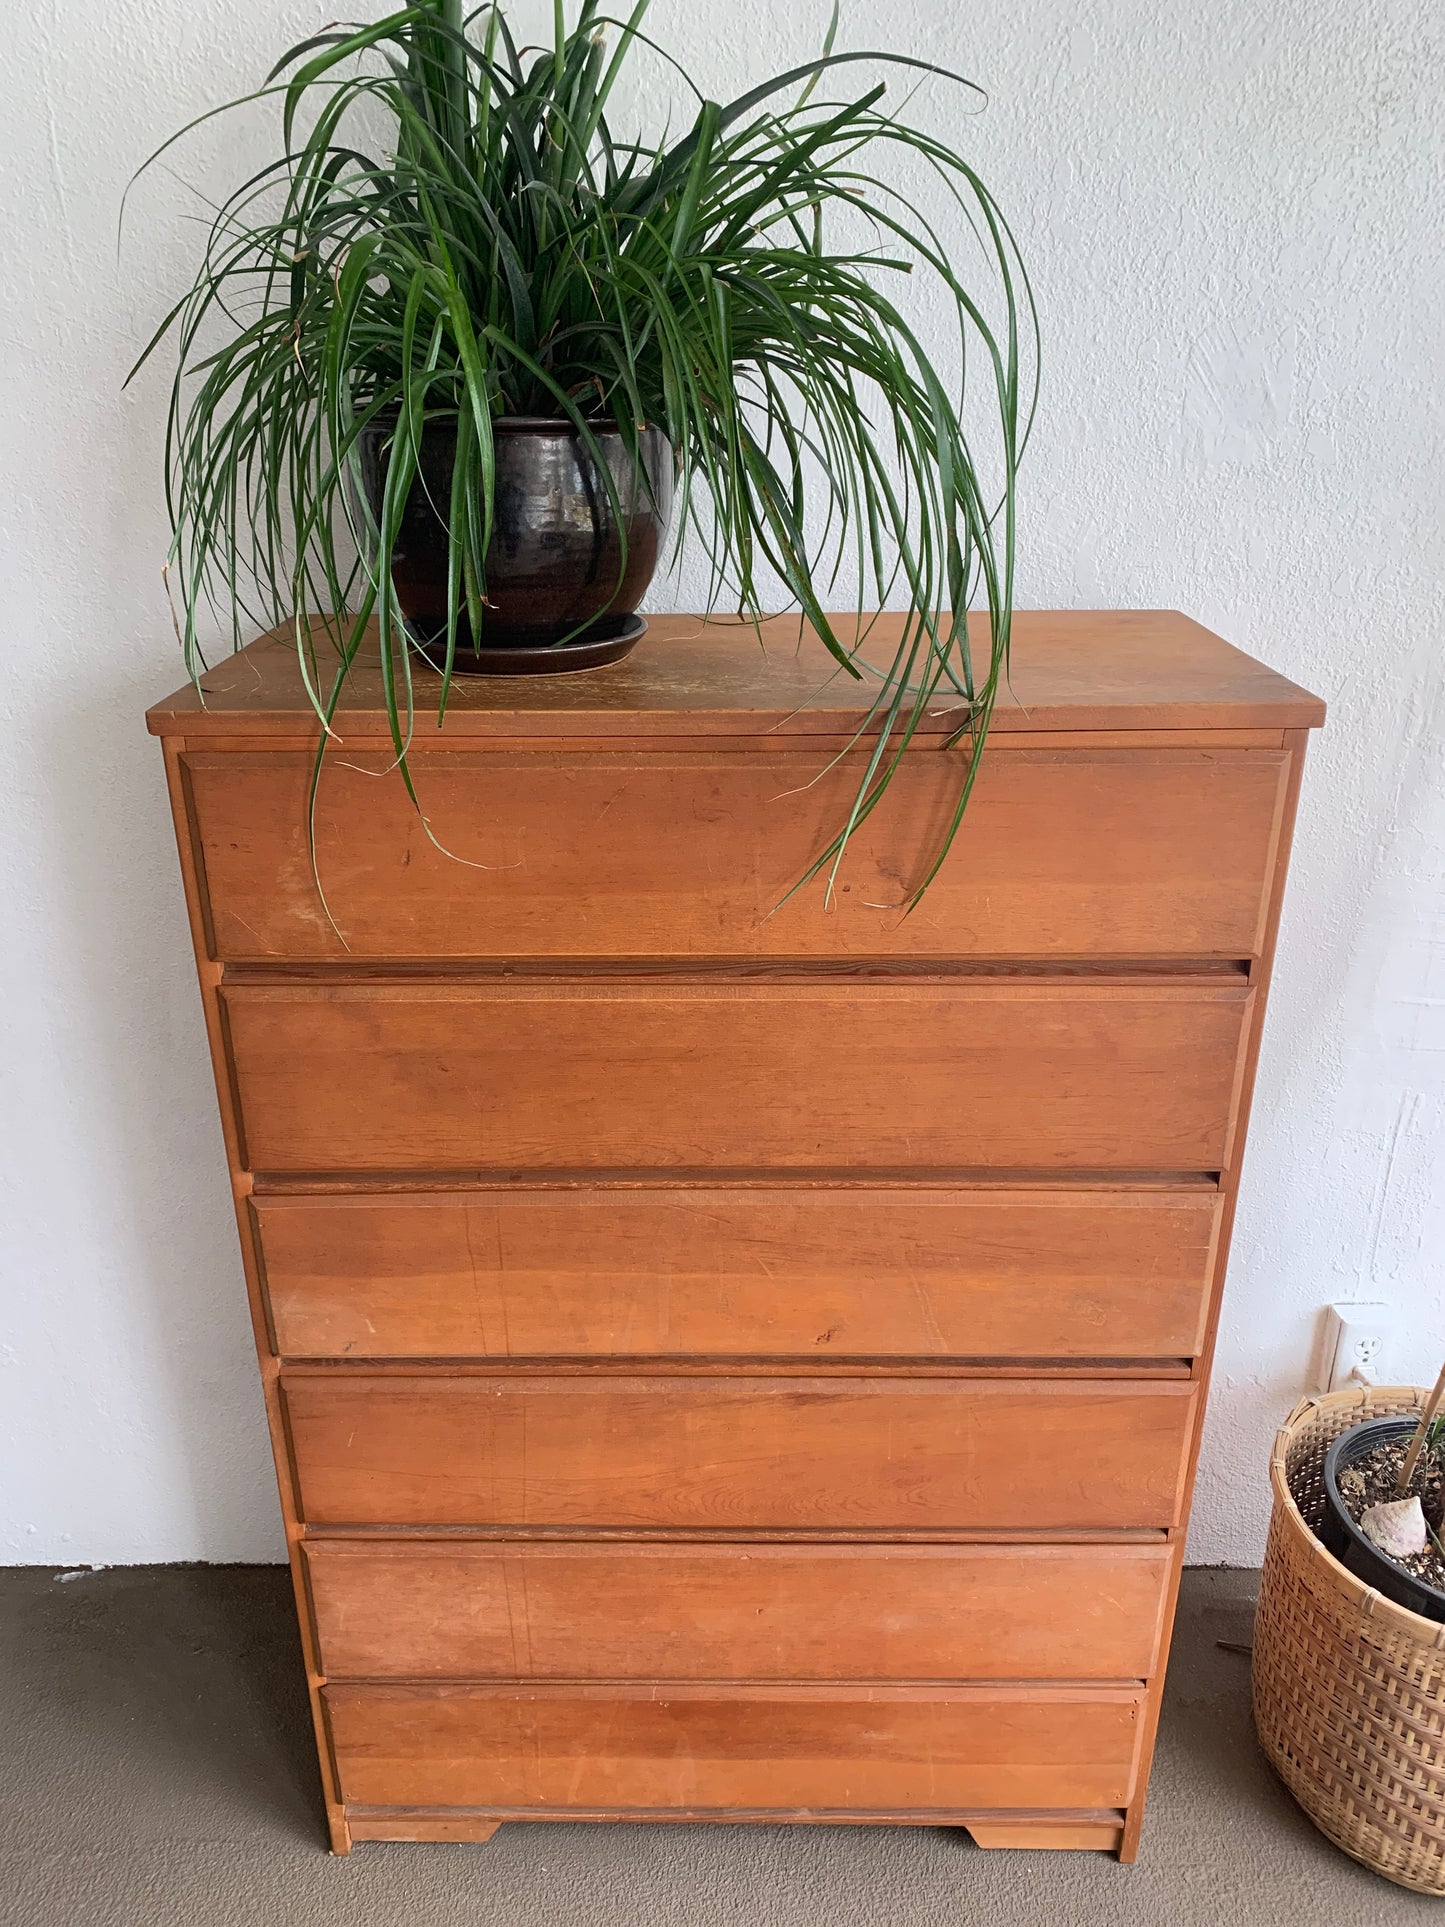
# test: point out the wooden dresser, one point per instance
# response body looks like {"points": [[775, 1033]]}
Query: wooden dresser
{"points": [[722, 1365]]}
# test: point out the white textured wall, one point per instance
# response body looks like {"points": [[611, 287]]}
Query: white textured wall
{"points": [[1233, 217]]}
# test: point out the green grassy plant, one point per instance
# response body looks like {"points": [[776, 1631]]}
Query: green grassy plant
{"points": [[452, 228]]}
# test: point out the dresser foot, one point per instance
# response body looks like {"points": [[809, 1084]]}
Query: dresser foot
{"points": [[420, 1823], [1103, 1835], [1133, 1827]]}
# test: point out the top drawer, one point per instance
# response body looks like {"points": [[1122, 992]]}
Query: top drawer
{"points": [[1065, 853]]}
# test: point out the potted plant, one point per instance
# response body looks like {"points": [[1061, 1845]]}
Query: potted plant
{"points": [[449, 359], [1349, 1645], [1384, 1506]]}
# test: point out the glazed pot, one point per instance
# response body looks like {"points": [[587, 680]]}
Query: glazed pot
{"points": [[1340, 1535], [563, 575]]}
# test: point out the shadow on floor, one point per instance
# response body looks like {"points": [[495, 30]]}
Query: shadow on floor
{"points": [[181, 1686]]}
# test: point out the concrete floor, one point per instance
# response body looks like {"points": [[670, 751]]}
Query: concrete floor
{"points": [[156, 1768]]}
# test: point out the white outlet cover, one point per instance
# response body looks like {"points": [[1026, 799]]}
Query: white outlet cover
{"points": [[1356, 1339]]}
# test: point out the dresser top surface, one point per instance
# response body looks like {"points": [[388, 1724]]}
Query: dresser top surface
{"points": [[1070, 670]]}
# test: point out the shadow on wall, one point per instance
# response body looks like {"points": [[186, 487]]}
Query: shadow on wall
{"points": [[194, 1473]]}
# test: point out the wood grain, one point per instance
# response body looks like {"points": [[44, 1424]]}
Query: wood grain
{"points": [[1095, 1828], [694, 1272], [721, 1250], [767, 1075], [393, 1449], [1104, 853], [1038, 1832], [1072, 669], [750, 1747], [413, 1824], [438, 1610]]}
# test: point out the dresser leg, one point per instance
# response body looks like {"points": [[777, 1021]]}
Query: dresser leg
{"points": [[338, 1829], [1097, 1836], [1133, 1827], [417, 1824]]}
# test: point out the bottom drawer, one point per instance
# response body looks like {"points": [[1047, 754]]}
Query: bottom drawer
{"points": [[449, 1610], [694, 1748]]}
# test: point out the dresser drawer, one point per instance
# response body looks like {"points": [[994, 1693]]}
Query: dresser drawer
{"points": [[589, 1611], [544, 1076], [1082, 853], [772, 1272], [698, 1748], [735, 1452]]}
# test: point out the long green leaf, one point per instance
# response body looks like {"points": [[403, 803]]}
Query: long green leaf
{"points": [[452, 230]]}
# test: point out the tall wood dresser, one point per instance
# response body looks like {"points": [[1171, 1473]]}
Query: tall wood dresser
{"points": [[728, 1363]]}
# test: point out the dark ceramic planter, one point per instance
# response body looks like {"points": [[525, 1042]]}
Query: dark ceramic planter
{"points": [[562, 584], [1340, 1535]]}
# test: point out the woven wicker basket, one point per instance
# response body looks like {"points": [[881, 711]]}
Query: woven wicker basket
{"points": [[1349, 1688]]}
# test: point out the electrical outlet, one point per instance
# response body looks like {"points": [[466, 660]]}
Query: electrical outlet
{"points": [[1353, 1351]]}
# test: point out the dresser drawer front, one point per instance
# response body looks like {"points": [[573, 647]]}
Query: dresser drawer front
{"points": [[680, 1748], [882, 1076], [736, 1452], [773, 1272], [729, 1612], [1082, 853]]}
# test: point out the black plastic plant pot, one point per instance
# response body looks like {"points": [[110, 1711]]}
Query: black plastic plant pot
{"points": [[1340, 1535]]}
